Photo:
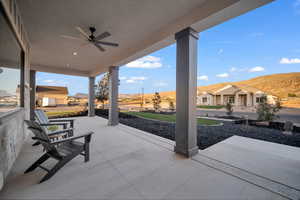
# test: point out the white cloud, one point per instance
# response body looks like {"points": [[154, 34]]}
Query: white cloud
{"points": [[257, 69], [290, 61], [224, 75], [54, 82], [136, 79], [122, 77], [48, 81], [147, 62], [160, 84], [233, 69], [130, 81], [220, 51], [203, 78]]}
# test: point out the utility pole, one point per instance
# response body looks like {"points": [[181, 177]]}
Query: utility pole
{"points": [[142, 98]]}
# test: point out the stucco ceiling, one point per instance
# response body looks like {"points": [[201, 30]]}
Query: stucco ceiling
{"points": [[139, 26]]}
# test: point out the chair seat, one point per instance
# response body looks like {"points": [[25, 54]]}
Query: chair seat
{"points": [[68, 148]]}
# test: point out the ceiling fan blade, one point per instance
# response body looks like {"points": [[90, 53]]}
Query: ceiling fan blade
{"points": [[71, 37], [82, 32], [99, 47], [81, 46], [103, 35], [108, 43]]}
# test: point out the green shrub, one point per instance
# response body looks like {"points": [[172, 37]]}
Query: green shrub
{"points": [[229, 109], [266, 111], [292, 95], [156, 100]]}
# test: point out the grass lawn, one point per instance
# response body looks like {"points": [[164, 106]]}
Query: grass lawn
{"points": [[210, 107], [169, 118], [62, 113]]}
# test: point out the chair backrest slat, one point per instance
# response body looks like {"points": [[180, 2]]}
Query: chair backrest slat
{"points": [[41, 116], [40, 132]]}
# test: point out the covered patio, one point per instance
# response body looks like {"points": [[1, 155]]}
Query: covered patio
{"points": [[127, 163]]}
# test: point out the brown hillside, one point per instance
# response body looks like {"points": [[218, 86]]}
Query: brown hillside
{"points": [[279, 85]]}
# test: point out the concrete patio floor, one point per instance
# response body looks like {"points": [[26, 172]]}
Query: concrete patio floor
{"points": [[127, 163]]}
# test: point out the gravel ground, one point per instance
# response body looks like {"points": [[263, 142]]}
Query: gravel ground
{"points": [[210, 135]]}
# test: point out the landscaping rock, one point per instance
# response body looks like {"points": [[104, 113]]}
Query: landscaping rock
{"points": [[209, 135]]}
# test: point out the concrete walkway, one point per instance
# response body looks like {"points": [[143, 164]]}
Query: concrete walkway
{"points": [[286, 114], [130, 164]]}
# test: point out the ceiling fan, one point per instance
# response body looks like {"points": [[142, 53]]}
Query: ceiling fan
{"points": [[91, 39]]}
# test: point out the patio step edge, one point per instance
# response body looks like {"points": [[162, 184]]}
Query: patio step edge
{"points": [[281, 189]]}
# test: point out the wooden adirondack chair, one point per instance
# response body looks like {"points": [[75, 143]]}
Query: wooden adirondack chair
{"points": [[43, 120], [62, 150]]}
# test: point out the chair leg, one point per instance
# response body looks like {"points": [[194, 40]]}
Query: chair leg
{"points": [[58, 166], [42, 159], [36, 143], [86, 152]]}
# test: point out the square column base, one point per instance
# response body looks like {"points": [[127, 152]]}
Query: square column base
{"points": [[110, 123], [189, 153]]}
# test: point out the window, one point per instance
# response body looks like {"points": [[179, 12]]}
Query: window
{"points": [[259, 99], [10, 65], [204, 99], [231, 99]]}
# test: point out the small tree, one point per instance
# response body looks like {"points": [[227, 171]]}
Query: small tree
{"points": [[266, 111], [292, 95], [229, 109], [171, 104], [102, 89], [156, 100]]}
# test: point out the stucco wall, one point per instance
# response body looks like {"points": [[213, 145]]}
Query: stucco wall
{"points": [[208, 102], [60, 99]]}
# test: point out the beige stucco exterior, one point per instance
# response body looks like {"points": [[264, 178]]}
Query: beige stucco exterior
{"points": [[240, 96]]}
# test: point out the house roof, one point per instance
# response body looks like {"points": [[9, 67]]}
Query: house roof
{"points": [[248, 88], [51, 89], [81, 95], [237, 87], [204, 92]]}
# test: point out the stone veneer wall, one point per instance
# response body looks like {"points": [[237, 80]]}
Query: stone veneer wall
{"points": [[11, 140], [12, 130]]}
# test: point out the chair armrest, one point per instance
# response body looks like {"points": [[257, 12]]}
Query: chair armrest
{"points": [[71, 121], [86, 136], [38, 138], [61, 120], [60, 132], [53, 124]]}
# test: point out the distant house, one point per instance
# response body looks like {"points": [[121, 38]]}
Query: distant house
{"points": [[241, 95], [54, 93], [78, 99], [81, 95]]}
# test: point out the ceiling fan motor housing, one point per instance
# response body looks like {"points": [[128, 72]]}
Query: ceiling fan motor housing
{"points": [[93, 30]]}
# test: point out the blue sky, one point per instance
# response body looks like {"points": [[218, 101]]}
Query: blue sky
{"points": [[263, 41]]}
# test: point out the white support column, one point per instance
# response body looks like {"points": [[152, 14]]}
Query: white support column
{"points": [[222, 99], [32, 85], [113, 116], [91, 102], [186, 91], [236, 99], [248, 99]]}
